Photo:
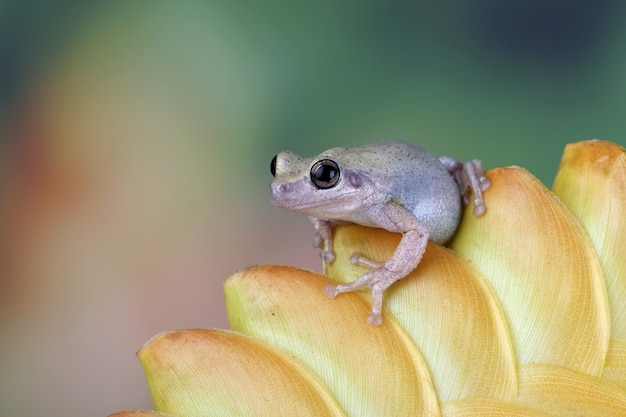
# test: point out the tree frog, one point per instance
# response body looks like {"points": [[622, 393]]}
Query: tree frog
{"points": [[392, 185]]}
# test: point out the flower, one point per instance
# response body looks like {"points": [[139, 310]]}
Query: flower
{"points": [[523, 315]]}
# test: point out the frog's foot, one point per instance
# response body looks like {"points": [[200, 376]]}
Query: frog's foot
{"points": [[379, 279], [374, 318], [364, 280], [469, 175], [326, 252], [473, 177], [323, 239]]}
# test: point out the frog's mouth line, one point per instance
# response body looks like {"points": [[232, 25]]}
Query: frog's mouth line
{"points": [[336, 204]]}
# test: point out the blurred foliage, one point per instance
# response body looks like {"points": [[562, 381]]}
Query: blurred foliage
{"points": [[510, 82]]}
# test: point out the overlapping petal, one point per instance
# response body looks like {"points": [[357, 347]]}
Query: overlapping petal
{"points": [[487, 408], [591, 182], [543, 269], [369, 371], [562, 392], [615, 365], [205, 372]]}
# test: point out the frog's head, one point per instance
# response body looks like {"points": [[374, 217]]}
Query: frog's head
{"points": [[322, 187]]}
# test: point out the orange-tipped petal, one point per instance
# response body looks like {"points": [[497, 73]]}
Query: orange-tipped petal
{"points": [[543, 269], [369, 370], [447, 309], [215, 372], [591, 182], [565, 393]]}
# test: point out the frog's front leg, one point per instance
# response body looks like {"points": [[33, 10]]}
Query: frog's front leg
{"points": [[405, 258], [323, 237], [469, 175]]}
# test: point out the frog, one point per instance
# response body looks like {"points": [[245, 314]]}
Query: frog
{"points": [[393, 185]]}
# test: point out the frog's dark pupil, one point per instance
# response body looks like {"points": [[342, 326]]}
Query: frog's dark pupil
{"points": [[273, 166], [325, 173]]}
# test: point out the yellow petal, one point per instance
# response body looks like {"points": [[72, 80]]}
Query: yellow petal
{"points": [[564, 393], [615, 365], [487, 408], [370, 370], [447, 309], [215, 372], [592, 183], [543, 269]]}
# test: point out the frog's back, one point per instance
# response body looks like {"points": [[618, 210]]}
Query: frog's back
{"points": [[422, 184]]}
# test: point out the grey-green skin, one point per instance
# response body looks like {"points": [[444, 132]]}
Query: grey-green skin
{"points": [[396, 186]]}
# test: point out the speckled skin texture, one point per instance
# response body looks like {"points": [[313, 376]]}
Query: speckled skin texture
{"points": [[396, 186]]}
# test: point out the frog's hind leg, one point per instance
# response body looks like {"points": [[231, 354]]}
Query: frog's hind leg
{"points": [[381, 276]]}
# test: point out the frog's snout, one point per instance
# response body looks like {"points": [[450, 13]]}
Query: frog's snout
{"points": [[278, 193]]}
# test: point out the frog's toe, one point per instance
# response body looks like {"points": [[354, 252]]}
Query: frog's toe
{"points": [[479, 207], [331, 291], [484, 183], [360, 260], [355, 258], [328, 256], [317, 240], [374, 319]]}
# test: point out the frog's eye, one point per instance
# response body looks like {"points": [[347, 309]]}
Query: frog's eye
{"points": [[325, 173], [273, 166]]}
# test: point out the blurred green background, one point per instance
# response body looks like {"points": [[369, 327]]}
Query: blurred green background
{"points": [[135, 140]]}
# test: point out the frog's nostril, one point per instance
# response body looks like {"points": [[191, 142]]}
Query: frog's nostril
{"points": [[273, 166]]}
